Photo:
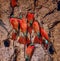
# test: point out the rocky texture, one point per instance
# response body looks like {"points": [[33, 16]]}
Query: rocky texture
{"points": [[47, 12]]}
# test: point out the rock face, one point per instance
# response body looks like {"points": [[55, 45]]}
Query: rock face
{"points": [[47, 12]]}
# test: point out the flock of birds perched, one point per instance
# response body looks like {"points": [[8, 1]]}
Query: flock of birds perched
{"points": [[26, 26]]}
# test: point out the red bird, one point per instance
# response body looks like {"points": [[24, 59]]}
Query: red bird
{"points": [[14, 22], [13, 3], [14, 36], [30, 18], [29, 51], [22, 40], [40, 33], [23, 25], [38, 40], [44, 33], [36, 26], [30, 29]]}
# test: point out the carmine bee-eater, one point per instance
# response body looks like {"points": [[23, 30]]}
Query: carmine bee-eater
{"points": [[38, 38], [29, 52], [14, 23], [14, 36], [44, 33], [23, 25], [23, 40], [30, 19], [36, 26], [40, 32], [13, 3]]}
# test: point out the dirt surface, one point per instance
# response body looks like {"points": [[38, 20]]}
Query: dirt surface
{"points": [[47, 12]]}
